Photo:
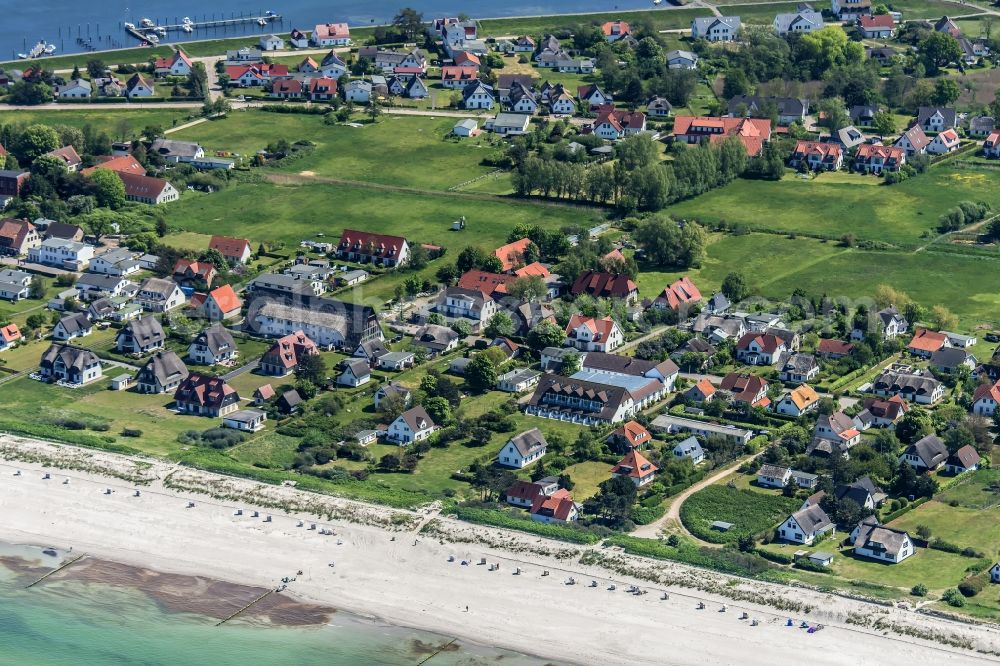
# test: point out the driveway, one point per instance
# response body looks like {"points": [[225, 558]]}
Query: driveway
{"points": [[673, 514]]}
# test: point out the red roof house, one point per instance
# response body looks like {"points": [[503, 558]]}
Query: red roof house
{"points": [[681, 292], [605, 285], [636, 467], [366, 247], [746, 388], [752, 132], [511, 255], [926, 342], [235, 250], [284, 355]]}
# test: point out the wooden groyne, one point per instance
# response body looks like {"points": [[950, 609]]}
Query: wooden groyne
{"points": [[223, 621], [56, 570]]}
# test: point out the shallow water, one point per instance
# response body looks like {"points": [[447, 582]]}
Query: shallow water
{"points": [[69, 621]]}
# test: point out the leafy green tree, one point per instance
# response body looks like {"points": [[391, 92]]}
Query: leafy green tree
{"points": [[439, 410], [938, 49], [614, 500], [736, 84], [37, 288], [500, 326], [545, 334], [532, 287], [481, 373], [668, 244], [312, 367], [946, 91], [29, 93], [734, 287], [409, 22], [108, 188], [34, 141], [884, 123]]}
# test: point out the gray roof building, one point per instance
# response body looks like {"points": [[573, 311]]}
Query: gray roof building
{"points": [[529, 442]]}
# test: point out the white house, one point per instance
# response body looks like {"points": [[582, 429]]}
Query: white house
{"points": [[773, 476], [271, 43], [927, 453], [466, 128], [806, 525], [678, 59], [716, 28], [62, 253], [878, 542], [478, 95], [591, 334], [117, 262], [945, 142], [995, 573], [985, 399], [798, 401], [358, 91], [691, 449], [636, 467], [518, 381], [354, 372], [413, 425], [523, 449], [247, 420], [331, 34], [72, 326], [159, 295]]}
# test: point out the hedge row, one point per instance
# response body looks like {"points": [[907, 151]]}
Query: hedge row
{"points": [[505, 520]]}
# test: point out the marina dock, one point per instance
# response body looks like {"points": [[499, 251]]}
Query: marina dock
{"points": [[150, 31]]}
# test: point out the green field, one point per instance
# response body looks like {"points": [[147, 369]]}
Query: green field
{"points": [[750, 512], [398, 150], [835, 204], [109, 120], [668, 18], [972, 491]]}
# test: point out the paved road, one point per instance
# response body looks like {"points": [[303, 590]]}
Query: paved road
{"points": [[243, 369]]}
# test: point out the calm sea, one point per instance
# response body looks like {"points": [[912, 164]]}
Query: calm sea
{"points": [[74, 623], [62, 22]]}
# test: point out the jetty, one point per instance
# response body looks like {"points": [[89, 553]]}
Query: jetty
{"points": [[56, 570], [151, 32]]}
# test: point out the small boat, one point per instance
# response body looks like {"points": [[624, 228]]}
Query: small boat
{"points": [[657, 2], [187, 21], [261, 21], [22, 56], [146, 23], [50, 48], [152, 39], [187, 28], [162, 32], [51, 552], [130, 26]]}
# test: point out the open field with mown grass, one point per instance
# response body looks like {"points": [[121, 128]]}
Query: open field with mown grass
{"points": [[667, 18], [409, 151], [835, 204], [775, 265], [112, 121]]}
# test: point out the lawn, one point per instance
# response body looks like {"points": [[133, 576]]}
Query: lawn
{"points": [[972, 491], [661, 19], [266, 212], [110, 58], [750, 512], [960, 525], [108, 120], [587, 476], [835, 204], [397, 150]]}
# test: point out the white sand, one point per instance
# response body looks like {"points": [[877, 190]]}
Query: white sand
{"points": [[415, 586]]}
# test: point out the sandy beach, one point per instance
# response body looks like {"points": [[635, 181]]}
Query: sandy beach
{"points": [[384, 568]]}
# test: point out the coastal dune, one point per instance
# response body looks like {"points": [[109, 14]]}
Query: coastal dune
{"points": [[400, 576]]}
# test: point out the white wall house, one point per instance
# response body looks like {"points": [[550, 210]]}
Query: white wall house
{"points": [[523, 449], [413, 425]]}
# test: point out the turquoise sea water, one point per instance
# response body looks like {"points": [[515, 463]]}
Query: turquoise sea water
{"points": [[76, 623]]}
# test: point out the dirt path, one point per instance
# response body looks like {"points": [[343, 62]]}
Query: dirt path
{"points": [[673, 514]]}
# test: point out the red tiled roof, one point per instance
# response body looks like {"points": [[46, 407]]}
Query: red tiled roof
{"points": [[615, 28], [286, 351], [602, 327], [533, 269], [752, 132], [868, 151], [67, 154], [620, 119], [512, 254], [367, 243], [203, 390], [466, 57], [830, 346], [226, 299], [705, 387], [877, 21], [264, 392], [455, 73], [928, 341], [121, 164], [634, 465], [633, 433], [559, 504], [680, 293], [142, 186], [823, 150], [486, 283], [949, 137], [323, 85], [10, 333], [987, 391], [745, 387], [331, 31], [603, 285], [767, 342], [287, 87], [229, 247], [202, 269]]}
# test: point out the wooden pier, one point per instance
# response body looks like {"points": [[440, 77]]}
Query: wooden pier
{"points": [[147, 33], [56, 570]]}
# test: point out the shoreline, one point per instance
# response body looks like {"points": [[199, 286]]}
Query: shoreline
{"points": [[391, 568]]}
